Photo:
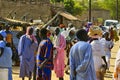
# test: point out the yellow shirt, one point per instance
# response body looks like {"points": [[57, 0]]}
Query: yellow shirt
{"points": [[9, 38]]}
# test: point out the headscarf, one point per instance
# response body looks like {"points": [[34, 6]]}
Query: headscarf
{"points": [[28, 30], [32, 37], [62, 26]]}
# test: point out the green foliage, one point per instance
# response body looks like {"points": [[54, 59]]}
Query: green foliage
{"points": [[111, 5], [69, 6], [54, 1], [76, 7]]}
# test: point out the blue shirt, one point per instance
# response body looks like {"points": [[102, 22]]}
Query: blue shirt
{"points": [[81, 61], [6, 58]]}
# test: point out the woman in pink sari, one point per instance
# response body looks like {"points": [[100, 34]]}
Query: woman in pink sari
{"points": [[60, 44]]}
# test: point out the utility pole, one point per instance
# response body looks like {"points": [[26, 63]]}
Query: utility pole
{"points": [[0, 8], [117, 9], [89, 10]]}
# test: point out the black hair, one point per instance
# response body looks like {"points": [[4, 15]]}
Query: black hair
{"points": [[57, 31], [43, 32], [8, 44], [1, 37], [82, 35]]}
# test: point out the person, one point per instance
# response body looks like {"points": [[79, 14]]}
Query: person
{"points": [[70, 41], [38, 35], [20, 33], [98, 51], [81, 59], [50, 35], [71, 27], [5, 57], [113, 33], [26, 49], [108, 46], [37, 31], [44, 57], [59, 63], [61, 27], [89, 24], [116, 73], [9, 37]]}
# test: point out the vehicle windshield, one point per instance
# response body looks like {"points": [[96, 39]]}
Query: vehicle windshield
{"points": [[110, 23]]}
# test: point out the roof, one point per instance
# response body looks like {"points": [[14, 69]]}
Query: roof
{"points": [[17, 21], [13, 21], [68, 16]]}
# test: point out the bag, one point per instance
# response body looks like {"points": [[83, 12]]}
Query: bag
{"points": [[3, 74]]}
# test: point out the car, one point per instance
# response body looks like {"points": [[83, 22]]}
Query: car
{"points": [[109, 23]]}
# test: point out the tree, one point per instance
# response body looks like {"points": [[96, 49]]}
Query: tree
{"points": [[69, 6], [76, 7], [54, 1]]}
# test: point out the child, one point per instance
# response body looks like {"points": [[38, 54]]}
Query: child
{"points": [[108, 46]]}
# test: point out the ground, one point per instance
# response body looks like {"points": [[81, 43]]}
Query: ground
{"points": [[108, 75]]}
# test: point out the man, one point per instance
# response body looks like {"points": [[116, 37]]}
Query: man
{"points": [[44, 57], [81, 59], [26, 49], [98, 51]]}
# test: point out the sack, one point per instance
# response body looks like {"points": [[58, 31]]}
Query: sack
{"points": [[3, 74]]}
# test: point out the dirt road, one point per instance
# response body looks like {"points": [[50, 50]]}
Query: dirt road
{"points": [[108, 75]]}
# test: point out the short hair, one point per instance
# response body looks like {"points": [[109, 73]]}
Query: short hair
{"points": [[82, 35], [43, 32]]}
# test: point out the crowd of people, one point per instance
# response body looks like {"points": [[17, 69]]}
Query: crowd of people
{"points": [[88, 52]]}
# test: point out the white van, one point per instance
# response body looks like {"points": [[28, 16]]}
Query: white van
{"points": [[108, 23]]}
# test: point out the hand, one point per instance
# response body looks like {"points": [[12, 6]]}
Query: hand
{"points": [[41, 66]]}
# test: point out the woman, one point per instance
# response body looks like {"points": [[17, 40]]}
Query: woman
{"points": [[59, 64], [26, 49]]}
